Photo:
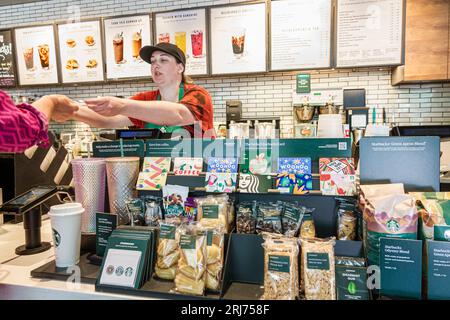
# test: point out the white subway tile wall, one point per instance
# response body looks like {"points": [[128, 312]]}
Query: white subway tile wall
{"points": [[263, 95]]}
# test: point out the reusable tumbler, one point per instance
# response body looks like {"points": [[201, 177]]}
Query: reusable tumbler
{"points": [[122, 175], [89, 177]]}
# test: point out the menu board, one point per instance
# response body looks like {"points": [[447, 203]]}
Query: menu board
{"points": [[369, 33], [80, 52], [186, 29], [7, 75], [124, 38], [300, 34], [238, 39], [36, 55]]}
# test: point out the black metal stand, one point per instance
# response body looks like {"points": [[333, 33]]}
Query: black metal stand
{"points": [[32, 225]]}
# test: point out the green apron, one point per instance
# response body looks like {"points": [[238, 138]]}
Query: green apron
{"points": [[166, 129]]}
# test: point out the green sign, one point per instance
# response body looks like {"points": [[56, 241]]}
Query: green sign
{"points": [[279, 263], [351, 283], [220, 148], [317, 260], [303, 83], [167, 232], [105, 224], [128, 148], [438, 270], [209, 238], [401, 268], [187, 242], [248, 149], [210, 211]]}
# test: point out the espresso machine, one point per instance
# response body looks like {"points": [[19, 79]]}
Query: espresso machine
{"points": [[239, 127], [308, 107]]}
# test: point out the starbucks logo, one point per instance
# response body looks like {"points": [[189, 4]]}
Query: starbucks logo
{"points": [[393, 226], [119, 271], [129, 272], [56, 238]]}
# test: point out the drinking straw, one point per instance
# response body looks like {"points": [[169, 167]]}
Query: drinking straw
{"points": [[121, 148]]}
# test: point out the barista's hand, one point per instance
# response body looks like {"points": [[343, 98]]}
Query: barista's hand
{"points": [[106, 106], [64, 108]]}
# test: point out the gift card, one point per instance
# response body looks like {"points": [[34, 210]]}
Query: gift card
{"points": [[250, 183], [188, 166], [223, 165], [221, 182]]}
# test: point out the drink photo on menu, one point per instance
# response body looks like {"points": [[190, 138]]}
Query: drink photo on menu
{"points": [[238, 42], [118, 48], [197, 43], [136, 45], [164, 37], [28, 56]]}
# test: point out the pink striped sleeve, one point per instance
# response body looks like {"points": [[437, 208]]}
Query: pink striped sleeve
{"points": [[21, 126]]}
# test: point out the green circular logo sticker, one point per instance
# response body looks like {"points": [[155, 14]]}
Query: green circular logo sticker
{"points": [[351, 288], [56, 238], [393, 225]]}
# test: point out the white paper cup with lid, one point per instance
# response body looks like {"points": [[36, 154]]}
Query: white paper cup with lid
{"points": [[66, 228]]}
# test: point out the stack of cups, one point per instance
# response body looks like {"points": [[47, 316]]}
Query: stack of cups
{"points": [[65, 220], [89, 180], [330, 126], [122, 175]]}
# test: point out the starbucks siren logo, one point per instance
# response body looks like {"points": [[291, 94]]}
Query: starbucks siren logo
{"points": [[56, 238], [393, 226]]}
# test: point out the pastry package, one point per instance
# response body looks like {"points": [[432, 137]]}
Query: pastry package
{"points": [[214, 212], [135, 211], [307, 227], [280, 267], [191, 272], [190, 208], [153, 212], [318, 271], [168, 252], [173, 199], [291, 218], [215, 251], [269, 217], [246, 217], [348, 219]]}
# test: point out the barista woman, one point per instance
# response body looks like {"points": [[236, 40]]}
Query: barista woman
{"points": [[176, 104]]}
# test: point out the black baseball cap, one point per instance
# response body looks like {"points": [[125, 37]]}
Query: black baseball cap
{"points": [[169, 48]]}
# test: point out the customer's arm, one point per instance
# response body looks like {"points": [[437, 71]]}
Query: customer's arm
{"points": [[56, 107]]}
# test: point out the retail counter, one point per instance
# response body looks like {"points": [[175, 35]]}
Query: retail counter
{"points": [[16, 281]]}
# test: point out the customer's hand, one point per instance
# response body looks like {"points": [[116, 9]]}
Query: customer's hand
{"points": [[106, 106], [64, 108], [56, 107]]}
